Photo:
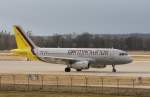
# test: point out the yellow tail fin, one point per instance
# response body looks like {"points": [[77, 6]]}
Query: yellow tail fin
{"points": [[23, 42], [25, 46]]}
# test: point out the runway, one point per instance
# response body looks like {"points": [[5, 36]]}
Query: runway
{"points": [[136, 68]]}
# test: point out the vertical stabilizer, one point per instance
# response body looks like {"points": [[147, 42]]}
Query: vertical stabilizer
{"points": [[25, 46], [22, 40]]}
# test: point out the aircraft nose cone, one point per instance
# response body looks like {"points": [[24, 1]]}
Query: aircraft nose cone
{"points": [[130, 60]]}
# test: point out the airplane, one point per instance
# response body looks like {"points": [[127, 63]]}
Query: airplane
{"points": [[76, 58]]}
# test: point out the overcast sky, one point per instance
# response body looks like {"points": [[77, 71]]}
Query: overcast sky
{"points": [[45, 17]]}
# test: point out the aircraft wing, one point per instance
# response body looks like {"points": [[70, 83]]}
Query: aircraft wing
{"points": [[65, 59]]}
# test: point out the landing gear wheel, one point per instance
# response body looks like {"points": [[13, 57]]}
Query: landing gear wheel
{"points": [[67, 69], [114, 70], [78, 70]]}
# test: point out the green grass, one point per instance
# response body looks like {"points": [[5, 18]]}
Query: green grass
{"points": [[49, 94]]}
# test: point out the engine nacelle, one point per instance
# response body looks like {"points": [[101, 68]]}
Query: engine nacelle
{"points": [[81, 65], [97, 66]]}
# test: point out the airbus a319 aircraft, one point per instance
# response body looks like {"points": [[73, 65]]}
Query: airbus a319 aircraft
{"points": [[76, 58]]}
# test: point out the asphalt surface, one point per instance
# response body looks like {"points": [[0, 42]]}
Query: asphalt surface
{"points": [[136, 68]]}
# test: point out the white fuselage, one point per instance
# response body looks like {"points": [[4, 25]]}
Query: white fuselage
{"points": [[97, 55]]}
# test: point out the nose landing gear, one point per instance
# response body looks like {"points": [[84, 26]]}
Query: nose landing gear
{"points": [[114, 69]]}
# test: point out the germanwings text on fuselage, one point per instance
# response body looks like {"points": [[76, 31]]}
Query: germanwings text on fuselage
{"points": [[87, 52]]}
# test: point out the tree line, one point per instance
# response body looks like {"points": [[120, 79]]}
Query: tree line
{"points": [[85, 40]]}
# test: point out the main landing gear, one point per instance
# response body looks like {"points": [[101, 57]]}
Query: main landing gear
{"points": [[67, 69], [113, 70], [78, 70]]}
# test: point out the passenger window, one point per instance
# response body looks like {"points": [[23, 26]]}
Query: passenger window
{"points": [[123, 54]]}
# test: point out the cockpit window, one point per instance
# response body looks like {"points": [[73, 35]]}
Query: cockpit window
{"points": [[123, 54]]}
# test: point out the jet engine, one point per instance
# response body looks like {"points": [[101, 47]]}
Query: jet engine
{"points": [[97, 66], [81, 65]]}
